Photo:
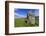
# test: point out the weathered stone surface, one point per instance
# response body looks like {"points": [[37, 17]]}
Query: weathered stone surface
{"points": [[31, 18]]}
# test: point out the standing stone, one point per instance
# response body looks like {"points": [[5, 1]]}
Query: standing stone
{"points": [[31, 18]]}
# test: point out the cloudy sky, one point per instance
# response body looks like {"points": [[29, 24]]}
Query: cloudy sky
{"points": [[23, 12]]}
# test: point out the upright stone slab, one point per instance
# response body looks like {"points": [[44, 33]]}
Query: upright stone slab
{"points": [[31, 18]]}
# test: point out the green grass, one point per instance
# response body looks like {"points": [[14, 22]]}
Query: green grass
{"points": [[21, 23]]}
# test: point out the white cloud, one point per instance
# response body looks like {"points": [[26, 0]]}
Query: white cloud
{"points": [[36, 13], [19, 16]]}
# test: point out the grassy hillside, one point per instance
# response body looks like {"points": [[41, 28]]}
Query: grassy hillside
{"points": [[20, 22]]}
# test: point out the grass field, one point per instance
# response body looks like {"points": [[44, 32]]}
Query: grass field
{"points": [[20, 22]]}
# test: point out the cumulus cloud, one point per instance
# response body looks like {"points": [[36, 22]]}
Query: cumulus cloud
{"points": [[19, 16]]}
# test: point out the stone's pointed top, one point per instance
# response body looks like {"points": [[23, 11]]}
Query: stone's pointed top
{"points": [[30, 13]]}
